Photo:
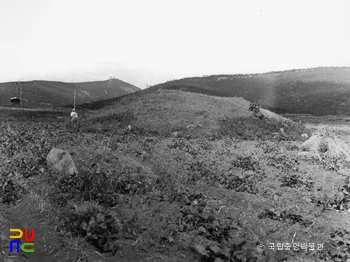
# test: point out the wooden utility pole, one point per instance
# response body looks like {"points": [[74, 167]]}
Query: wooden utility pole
{"points": [[20, 93], [74, 99]]}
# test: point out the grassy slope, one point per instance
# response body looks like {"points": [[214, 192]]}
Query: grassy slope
{"points": [[196, 115], [174, 110], [319, 91], [49, 93]]}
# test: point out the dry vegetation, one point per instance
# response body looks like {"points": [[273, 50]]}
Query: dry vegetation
{"points": [[197, 178], [316, 91], [170, 111]]}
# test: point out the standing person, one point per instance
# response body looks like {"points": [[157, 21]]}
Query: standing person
{"points": [[74, 116]]}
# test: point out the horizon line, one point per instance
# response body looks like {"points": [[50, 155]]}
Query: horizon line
{"points": [[234, 74]]}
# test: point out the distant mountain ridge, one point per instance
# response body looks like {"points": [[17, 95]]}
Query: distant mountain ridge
{"points": [[40, 93], [316, 91]]}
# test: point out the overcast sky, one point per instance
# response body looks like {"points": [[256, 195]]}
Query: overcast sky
{"points": [[152, 41]]}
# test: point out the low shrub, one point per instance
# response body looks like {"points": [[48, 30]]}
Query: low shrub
{"points": [[11, 192], [100, 187], [252, 128], [99, 227]]}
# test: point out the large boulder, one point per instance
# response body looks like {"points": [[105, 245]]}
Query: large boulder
{"points": [[61, 161]]}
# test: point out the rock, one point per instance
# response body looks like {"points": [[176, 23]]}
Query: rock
{"points": [[275, 134], [200, 249], [282, 131], [61, 161], [215, 249], [201, 229], [305, 136]]}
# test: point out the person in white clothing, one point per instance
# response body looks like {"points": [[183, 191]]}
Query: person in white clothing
{"points": [[74, 115]]}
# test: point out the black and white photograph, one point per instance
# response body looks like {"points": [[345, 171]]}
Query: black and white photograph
{"points": [[174, 131]]}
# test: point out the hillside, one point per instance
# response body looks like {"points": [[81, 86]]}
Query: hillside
{"points": [[316, 91], [185, 114], [196, 178], [51, 94]]}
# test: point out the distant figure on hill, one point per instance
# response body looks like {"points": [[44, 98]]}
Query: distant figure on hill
{"points": [[74, 115]]}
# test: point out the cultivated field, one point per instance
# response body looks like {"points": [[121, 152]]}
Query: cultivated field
{"points": [[197, 178]]}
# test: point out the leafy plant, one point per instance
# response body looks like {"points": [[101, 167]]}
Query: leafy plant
{"points": [[246, 163], [295, 181], [98, 226], [103, 188], [11, 192], [255, 108], [337, 246], [284, 216], [239, 251], [283, 162]]}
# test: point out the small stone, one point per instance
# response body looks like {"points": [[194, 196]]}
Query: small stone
{"points": [[170, 239], [200, 250], [215, 249], [202, 230]]}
